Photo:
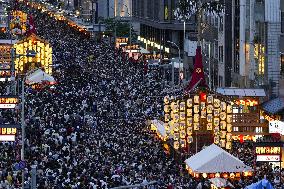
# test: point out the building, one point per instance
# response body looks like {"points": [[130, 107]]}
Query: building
{"points": [[256, 39], [158, 26], [244, 44]]}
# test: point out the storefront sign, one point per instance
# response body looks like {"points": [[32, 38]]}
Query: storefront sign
{"points": [[268, 158], [269, 154], [8, 102], [7, 134], [276, 127]]}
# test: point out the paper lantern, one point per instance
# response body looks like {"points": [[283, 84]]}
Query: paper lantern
{"points": [[223, 134], [182, 116], [229, 109], [223, 143], [176, 118], [223, 116], [189, 121], [196, 109], [196, 126], [216, 139], [216, 121], [173, 105], [176, 136], [189, 130], [209, 117], [196, 99], [217, 175], [182, 125], [182, 106], [229, 137], [189, 103], [167, 108], [189, 139], [189, 112], [223, 106], [232, 175], [216, 130], [182, 134], [216, 103], [228, 145], [210, 99], [229, 128], [183, 143], [209, 109], [223, 125], [229, 118], [176, 127], [204, 175], [216, 112], [167, 117], [196, 118], [209, 126]]}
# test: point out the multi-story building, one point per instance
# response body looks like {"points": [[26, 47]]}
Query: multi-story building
{"points": [[158, 26], [246, 45], [281, 91], [256, 40]]}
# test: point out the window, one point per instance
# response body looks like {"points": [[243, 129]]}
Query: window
{"points": [[282, 22], [220, 81], [282, 66], [221, 54], [221, 23]]}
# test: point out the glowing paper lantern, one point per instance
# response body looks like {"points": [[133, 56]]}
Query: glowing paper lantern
{"points": [[196, 126], [196, 99], [210, 99], [209, 126], [189, 121], [189, 103], [189, 112], [189, 130]]}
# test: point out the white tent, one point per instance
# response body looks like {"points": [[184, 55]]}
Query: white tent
{"points": [[214, 159], [39, 76]]}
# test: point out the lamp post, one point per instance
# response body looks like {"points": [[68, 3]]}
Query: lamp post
{"points": [[30, 53], [178, 64]]}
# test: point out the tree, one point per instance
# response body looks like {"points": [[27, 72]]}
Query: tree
{"points": [[187, 8], [121, 28]]}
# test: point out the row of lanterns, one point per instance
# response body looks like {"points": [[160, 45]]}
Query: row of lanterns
{"points": [[197, 113]]}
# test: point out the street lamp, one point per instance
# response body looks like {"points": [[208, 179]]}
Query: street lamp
{"points": [[29, 53], [179, 80]]}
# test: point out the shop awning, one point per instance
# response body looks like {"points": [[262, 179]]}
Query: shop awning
{"points": [[218, 161], [241, 92], [274, 106]]}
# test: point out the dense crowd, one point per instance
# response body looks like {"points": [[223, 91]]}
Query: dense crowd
{"points": [[89, 130]]}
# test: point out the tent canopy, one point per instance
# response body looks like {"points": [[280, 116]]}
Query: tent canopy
{"points": [[39, 76], [214, 159]]}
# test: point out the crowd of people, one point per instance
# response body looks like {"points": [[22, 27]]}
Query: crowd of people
{"points": [[89, 130]]}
